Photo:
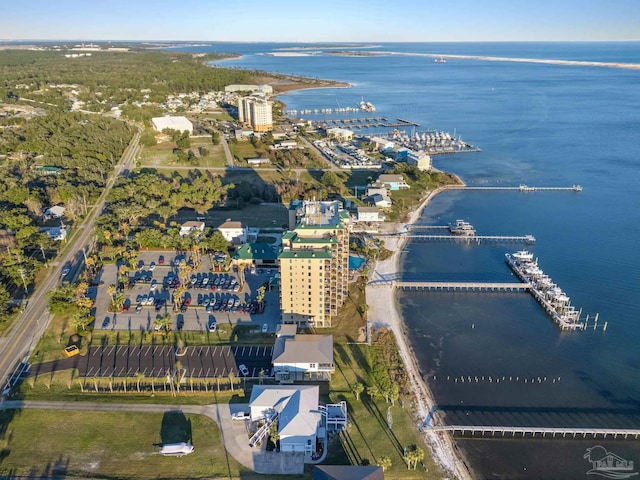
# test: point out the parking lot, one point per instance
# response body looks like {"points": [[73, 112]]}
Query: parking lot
{"points": [[208, 303]]}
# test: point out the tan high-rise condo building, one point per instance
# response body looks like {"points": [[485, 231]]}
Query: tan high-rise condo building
{"points": [[256, 111], [314, 263]]}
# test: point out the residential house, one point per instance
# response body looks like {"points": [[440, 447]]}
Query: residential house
{"points": [[302, 357], [392, 181], [369, 214], [379, 200], [54, 212], [233, 232], [296, 410], [187, 227]]}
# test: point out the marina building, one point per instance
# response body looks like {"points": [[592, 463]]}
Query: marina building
{"points": [[256, 112], [340, 134], [314, 263], [420, 160]]}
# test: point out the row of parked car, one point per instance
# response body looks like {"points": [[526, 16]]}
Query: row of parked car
{"points": [[215, 281]]}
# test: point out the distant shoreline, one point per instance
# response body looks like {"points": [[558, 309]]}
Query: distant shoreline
{"points": [[575, 63]]}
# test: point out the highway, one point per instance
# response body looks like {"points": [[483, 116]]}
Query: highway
{"points": [[29, 326]]}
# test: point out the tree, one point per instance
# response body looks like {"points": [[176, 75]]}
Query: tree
{"points": [[139, 376], [373, 391], [364, 308], [274, 436], [385, 462], [330, 179], [5, 301], [393, 393], [162, 323], [79, 320], [232, 377], [358, 388]]}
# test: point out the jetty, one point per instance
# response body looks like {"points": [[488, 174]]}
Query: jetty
{"points": [[537, 432]]}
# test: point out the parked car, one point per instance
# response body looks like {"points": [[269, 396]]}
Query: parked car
{"points": [[159, 305], [152, 266], [243, 370], [65, 272], [138, 308], [213, 325], [126, 305], [265, 328], [161, 260], [240, 416], [187, 301], [154, 284]]}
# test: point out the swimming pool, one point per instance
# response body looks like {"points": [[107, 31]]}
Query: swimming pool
{"points": [[355, 262]]}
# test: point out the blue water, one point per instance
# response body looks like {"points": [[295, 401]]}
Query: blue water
{"points": [[540, 125], [355, 262]]}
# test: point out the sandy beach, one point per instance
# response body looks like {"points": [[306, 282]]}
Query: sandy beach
{"points": [[383, 312]]}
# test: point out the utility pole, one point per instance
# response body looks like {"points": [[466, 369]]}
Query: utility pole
{"points": [[24, 280]]}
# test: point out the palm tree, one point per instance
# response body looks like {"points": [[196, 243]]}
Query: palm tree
{"points": [[111, 290], [162, 323], [231, 379], [79, 320], [384, 462], [364, 308], [139, 376], [358, 388]]}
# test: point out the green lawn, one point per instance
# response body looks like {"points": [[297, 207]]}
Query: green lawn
{"points": [[162, 155], [111, 445]]}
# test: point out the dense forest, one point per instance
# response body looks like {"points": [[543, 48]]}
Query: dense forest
{"points": [[108, 77]]}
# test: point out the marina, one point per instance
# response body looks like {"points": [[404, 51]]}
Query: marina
{"points": [[555, 302], [431, 142]]}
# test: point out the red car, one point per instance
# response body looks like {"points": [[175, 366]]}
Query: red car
{"points": [[161, 260], [187, 301]]}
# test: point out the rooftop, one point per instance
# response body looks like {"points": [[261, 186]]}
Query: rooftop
{"points": [[303, 349], [320, 254], [230, 224], [255, 251]]}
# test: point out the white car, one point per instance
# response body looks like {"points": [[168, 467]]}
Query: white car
{"points": [[243, 370], [154, 284], [240, 416], [65, 272], [265, 328]]}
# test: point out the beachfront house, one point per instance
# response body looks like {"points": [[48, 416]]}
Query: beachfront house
{"points": [[392, 181], [296, 410], [369, 214], [302, 357]]}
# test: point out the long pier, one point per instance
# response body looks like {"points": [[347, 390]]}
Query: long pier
{"points": [[454, 286], [521, 188], [528, 239], [367, 122], [529, 432]]}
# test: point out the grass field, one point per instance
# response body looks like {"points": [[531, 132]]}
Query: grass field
{"points": [[111, 445], [162, 155]]}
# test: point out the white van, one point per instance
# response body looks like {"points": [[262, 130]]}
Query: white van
{"points": [[176, 449]]}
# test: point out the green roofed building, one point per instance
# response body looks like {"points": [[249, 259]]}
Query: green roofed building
{"points": [[257, 255], [314, 263]]}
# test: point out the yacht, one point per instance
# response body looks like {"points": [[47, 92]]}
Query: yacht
{"points": [[462, 228]]}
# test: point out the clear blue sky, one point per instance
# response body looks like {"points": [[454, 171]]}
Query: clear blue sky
{"points": [[322, 20]]}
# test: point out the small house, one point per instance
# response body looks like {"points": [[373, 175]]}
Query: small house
{"points": [[187, 227]]}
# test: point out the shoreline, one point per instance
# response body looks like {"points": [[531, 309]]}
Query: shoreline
{"points": [[442, 447]]}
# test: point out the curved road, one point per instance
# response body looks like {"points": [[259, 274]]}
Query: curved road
{"points": [[29, 326]]}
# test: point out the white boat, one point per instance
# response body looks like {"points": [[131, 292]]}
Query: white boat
{"points": [[462, 228], [440, 60], [523, 256]]}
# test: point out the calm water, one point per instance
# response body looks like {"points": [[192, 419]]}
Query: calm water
{"points": [[539, 125]]}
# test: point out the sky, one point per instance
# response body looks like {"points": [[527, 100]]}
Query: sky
{"points": [[322, 20]]}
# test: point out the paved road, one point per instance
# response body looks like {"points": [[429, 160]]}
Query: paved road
{"points": [[227, 152], [31, 324]]}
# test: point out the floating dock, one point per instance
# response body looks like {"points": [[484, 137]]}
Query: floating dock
{"points": [[365, 122], [555, 302]]}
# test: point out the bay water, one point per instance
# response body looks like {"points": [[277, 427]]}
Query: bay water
{"points": [[540, 125]]}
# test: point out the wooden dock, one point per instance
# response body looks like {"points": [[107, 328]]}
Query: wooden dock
{"points": [[477, 239], [538, 432], [453, 286], [366, 122], [520, 188]]}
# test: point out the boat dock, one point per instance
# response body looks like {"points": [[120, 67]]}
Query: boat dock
{"points": [[453, 286], [539, 432], [477, 239], [520, 188], [555, 302], [365, 122]]}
